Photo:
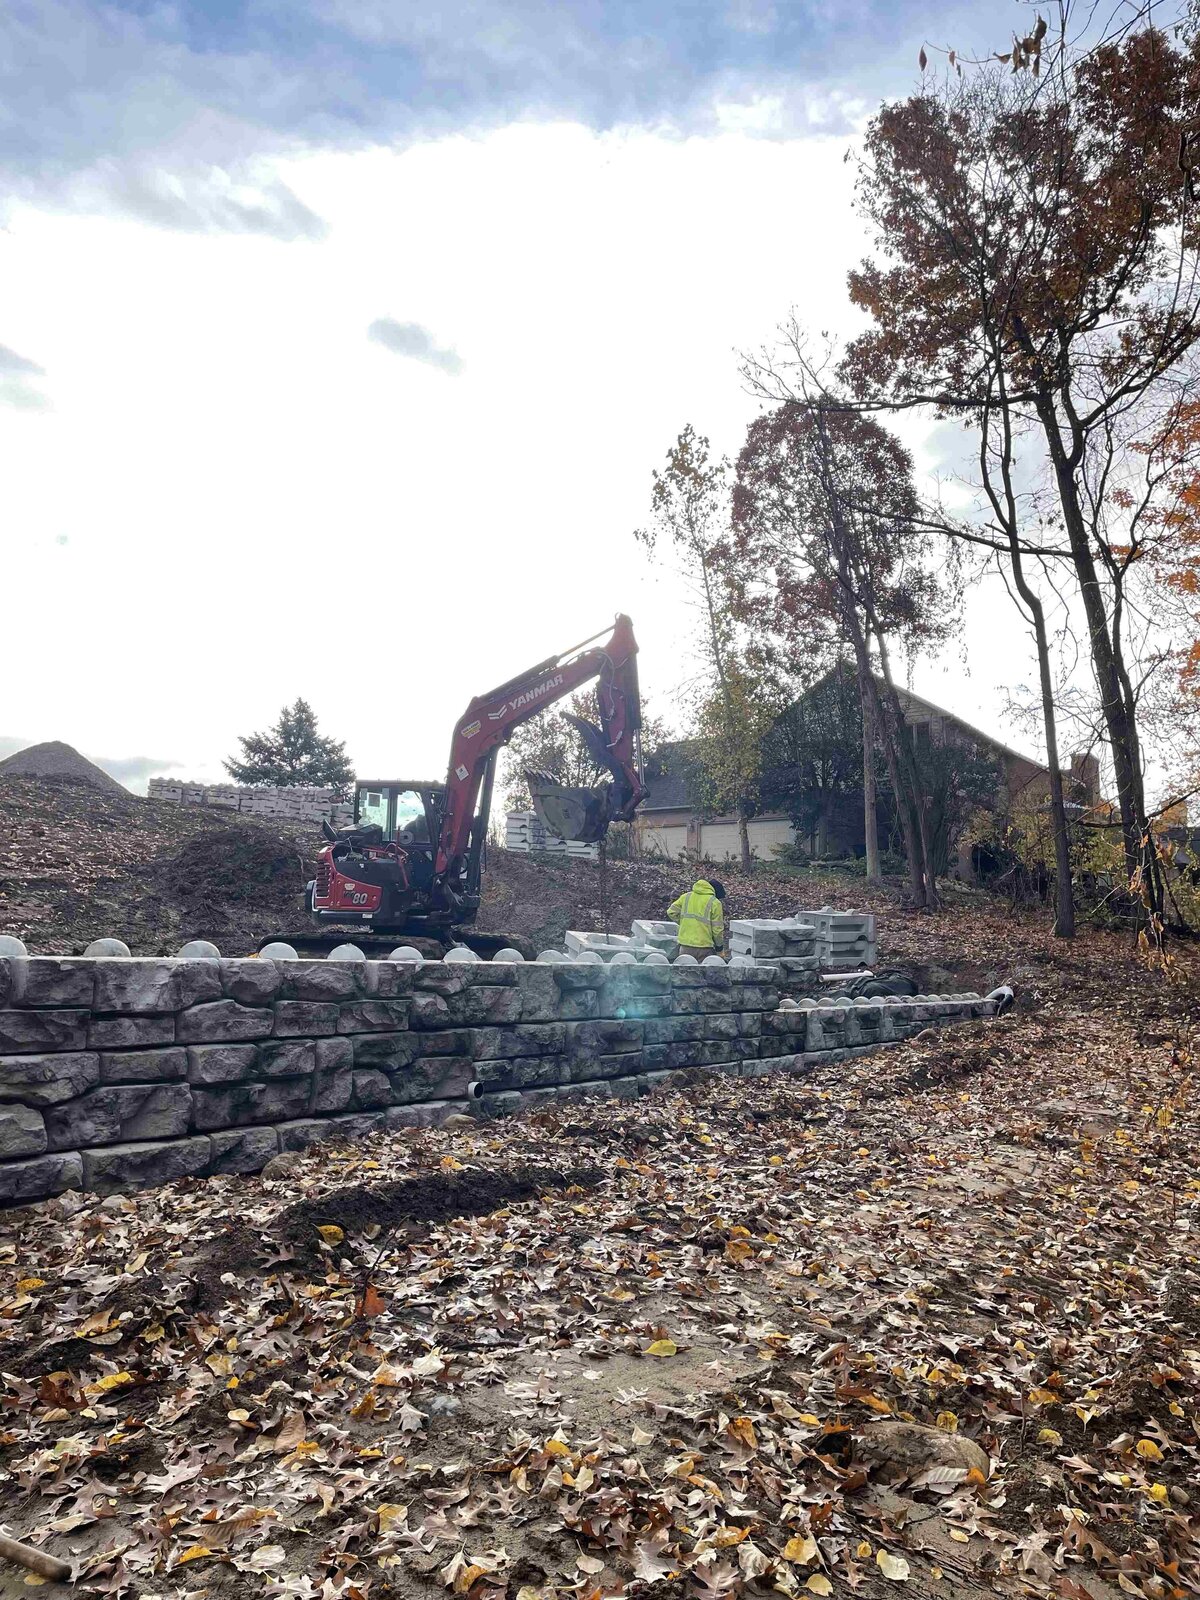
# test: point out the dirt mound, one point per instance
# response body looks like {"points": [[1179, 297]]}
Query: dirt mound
{"points": [[233, 865], [57, 760]]}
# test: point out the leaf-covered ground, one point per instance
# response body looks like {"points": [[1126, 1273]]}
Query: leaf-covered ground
{"points": [[668, 1347]]}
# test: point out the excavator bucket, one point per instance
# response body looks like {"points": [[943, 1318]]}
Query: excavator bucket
{"points": [[580, 814]]}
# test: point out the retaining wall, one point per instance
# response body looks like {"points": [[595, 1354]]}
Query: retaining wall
{"points": [[299, 804], [120, 1073]]}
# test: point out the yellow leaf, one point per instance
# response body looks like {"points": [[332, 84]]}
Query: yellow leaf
{"points": [[1158, 1491], [197, 1552], [307, 1447], [662, 1347], [449, 1164], [220, 1363], [1043, 1397], [389, 1515], [153, 1334], [801, 1550], [26, 1285], [556, 1447], [331, 1233], [1050, 1436], [726, 1536], [809, 1419], [976, 1477], [1175, 1409], [742, 1428], [1164, 1117], [775, 1161], [863, 1550], [737, 1250], [959, 1536], [1148, 1450], [884, 1407], [947, 1421], [111, 1380], [893, 1567], [818, 1583]]}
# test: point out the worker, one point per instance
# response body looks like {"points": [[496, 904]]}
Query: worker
{"points": [[701, 919]]}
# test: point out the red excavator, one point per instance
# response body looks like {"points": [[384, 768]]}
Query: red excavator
{"points": [[411, 863]]}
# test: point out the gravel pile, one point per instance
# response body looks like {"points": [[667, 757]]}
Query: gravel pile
{"points": [[57, 760]]}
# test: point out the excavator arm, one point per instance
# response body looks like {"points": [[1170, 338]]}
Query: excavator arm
{"points": [[491, 719]]}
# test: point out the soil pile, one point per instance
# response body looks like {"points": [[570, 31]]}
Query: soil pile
{"points": [[57, 760]]}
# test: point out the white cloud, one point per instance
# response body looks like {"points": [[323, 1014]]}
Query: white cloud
{"points": [[412, 340], [261, 507]]}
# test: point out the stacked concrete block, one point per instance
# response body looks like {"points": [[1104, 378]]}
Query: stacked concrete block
{"points": [[662, 936], [602, 944], [524, 832], [299, 804], [766, 939], [845, 939]]}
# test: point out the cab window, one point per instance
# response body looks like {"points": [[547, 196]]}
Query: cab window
{"points": [[411, 826], [373, 807]]}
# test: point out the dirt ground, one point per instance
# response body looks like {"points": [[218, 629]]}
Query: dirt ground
{"points": [[664, 1349]]}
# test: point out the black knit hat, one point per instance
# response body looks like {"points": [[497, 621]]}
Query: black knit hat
{"points": [[718, 888]]}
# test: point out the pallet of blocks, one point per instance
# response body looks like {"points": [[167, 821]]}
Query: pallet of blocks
{"points": [[846, 939], [775, 939]]}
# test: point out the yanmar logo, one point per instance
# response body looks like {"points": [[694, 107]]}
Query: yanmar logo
{"points": [[531, 695]]}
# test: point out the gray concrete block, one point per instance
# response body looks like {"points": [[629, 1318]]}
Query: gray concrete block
{"points": [[130, 1033], [373, 1016], [433, 1078], [723, 1025], [335, 1055], [285, 1058], [221, 1063], [372, 1090], [232, 1105], [322, 980], [331, 1091], [242, 1149], [126, 1167], [254, 982], [308, 1018], [42, 1176], [447, 1042], [429, 1011], [8, 967], [502, 1104], [53, 981], [428, 1114], [22, 1132], [221, 1021], [45, 1080], [120, 1112], [389, 980], [434, 977], [386, 1050], [523, 1039], [141, 985], [671, 1030], [33, 1031], [143, 1066], [602, 1037]]}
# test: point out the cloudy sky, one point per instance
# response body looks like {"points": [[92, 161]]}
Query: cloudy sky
{"points": [[339, 340]]}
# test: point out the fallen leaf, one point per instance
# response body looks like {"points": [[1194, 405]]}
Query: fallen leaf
{"points": [[893, 1567]]}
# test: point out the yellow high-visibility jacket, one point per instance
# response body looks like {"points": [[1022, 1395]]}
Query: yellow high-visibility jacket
{"points": [[700, 917]]}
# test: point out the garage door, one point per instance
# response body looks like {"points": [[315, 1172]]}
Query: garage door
{"points": [[670, 842], [721, 841]]}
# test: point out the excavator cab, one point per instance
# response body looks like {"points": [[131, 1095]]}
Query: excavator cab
{"points": [[409, 813]]}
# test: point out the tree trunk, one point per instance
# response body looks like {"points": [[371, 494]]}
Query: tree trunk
{"points": [[912, 779], [870, 818], [744, 835]]}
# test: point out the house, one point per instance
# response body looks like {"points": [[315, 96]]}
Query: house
{"points": [[669, 822]]}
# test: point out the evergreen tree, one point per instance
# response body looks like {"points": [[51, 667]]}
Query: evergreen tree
{"points": [[292, 753]]}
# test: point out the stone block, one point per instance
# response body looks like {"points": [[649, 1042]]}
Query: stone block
{"points": [[22, 1132], [434, 977], [45, 1080], [285, 1058], [523, 1039], [749, 1023], [332, 1090], [219, 1021], [389, 980], [33, 1031], [126, 1167], [42, 1176], [8, 968], [387, 1050], [450, 1042], [140, 985], [254, 982], [583, 1069], [655, 1057], [670, 1030], [242, 1149], [53, 981], [221, 1063], [335, 1055], [541, 997], [372, 1090], [373, 1016], [718, 997], [786, 1024], [129, 1033], [429, 1011], [602, 1037], [232, 1105], [306, 1018], [427, 1114], [523, 1072], [723, 1025], [120, 1111], [322, 980], [143, 1066], [433, 1078], [356, 1125]]}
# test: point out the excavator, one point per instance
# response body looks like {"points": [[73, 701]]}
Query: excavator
{"points": [[410, 865]]}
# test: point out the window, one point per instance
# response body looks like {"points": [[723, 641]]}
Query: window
{"points": [[373, 808], [411, 827]]}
